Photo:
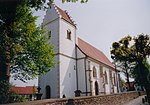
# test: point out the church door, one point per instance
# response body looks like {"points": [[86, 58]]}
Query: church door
{"points": [[96, 88], [48, 92]]}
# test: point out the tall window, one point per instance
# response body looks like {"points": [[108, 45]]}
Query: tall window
{"points": [[114, 80], [101, 71], [89, 65], [106, 81], [111, 77], [69, 34], [94, 72]]}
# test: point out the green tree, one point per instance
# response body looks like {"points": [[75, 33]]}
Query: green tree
{"points": [[135, 55], [139, 55], [120, 55], [24, 50], [24, 47], [4, 93], [21, 43]]}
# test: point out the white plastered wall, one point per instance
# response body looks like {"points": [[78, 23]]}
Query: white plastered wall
{"points": [[50, 79], [67, 61], [51, 21]]}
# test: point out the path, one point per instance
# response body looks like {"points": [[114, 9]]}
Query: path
{"points": [[137, 101]]}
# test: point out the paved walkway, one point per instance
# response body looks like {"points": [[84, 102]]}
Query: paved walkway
{"points": [[137, 101]]}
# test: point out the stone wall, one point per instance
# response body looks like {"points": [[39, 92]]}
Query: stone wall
{"points": [[114, 99]]}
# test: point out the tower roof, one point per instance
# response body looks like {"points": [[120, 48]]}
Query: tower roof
{"points": [[93, 52], [65, 15]]}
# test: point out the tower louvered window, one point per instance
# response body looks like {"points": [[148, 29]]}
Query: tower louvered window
{"points": [[68, 34]]}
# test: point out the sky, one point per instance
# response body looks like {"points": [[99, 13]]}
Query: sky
{"points": [[102, 22]]}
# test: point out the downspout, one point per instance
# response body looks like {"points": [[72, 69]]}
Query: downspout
{"points": [[76, 59], [76, 67], [85, 75]]}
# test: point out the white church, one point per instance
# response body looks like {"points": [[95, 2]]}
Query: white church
{"points": [[81, 67]]}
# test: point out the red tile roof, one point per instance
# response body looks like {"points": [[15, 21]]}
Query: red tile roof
{"points": [[93, 52], [24, 90], [65, 15]]}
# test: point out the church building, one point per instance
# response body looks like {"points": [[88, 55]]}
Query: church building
{"points": [[82, 69]]}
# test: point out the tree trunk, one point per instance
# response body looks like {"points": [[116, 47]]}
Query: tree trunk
{"points": [[128, 82], [127, 75], [4, 80], [5, 71], [4, 65], [147, 87]]}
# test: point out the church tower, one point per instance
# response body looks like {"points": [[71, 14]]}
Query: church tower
{"points": [[61, 80]]}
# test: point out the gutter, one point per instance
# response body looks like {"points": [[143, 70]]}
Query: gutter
{"points": [[76, 67], [85, 75]]}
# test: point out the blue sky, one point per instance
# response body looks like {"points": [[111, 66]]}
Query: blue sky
{"points": [[102, 22]]}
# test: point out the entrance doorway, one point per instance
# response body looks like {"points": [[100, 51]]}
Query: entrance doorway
{"points": [[48, 92], [96, 88]]}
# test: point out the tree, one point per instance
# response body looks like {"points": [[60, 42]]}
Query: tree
{"points": [[16, 30], [141, 52], [136, 55], [120, 55], [24, 47], [24, 50]]}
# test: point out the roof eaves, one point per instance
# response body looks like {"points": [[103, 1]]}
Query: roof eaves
{"points": [[101, 62]]}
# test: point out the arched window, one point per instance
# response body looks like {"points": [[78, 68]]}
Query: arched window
{"points": [[111, 77], [69, 34], [94, 72], [101, 71], [114, 80], [96, 88], [89, 65], [48, 92], [106, 81]]}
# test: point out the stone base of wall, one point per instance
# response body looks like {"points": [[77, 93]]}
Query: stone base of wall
{"points": [[113, 99]]}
